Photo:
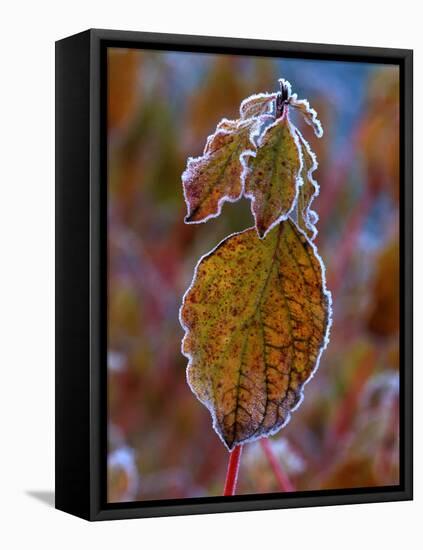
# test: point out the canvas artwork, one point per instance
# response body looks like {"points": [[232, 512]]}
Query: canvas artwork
{"points": [[253, 275]]}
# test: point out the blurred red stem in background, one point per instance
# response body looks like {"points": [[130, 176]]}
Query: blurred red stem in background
{"points": [[283, 480], [347, 408], [383, 458], [232, 472]]}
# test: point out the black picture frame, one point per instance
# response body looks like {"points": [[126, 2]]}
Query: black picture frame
{"points": [[81, 274]]}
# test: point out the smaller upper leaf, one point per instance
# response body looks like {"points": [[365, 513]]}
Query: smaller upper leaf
{"points": [[272, 178], [256, 105], [309, 189], [309, 114], [216, 176]]}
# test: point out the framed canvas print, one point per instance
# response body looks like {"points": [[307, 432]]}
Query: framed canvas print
{"points": [[233, 274]]}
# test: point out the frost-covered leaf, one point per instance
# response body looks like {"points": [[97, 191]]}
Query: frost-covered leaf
{"points": [[256, 320], [226, 125], [309, 114], [309, 189], [272, 177], [256, 105], [216, 176]]}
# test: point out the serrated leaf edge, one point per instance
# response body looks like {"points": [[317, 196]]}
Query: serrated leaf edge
{"points": [[315, 122], [307, 212]]}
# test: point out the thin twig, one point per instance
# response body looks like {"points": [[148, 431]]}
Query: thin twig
{"points": [[232, 472]]}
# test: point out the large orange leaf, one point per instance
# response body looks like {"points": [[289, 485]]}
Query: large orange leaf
{"points": [[256, 320]]}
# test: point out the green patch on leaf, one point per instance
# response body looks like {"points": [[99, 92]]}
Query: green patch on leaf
{"points": [[273, 175]]}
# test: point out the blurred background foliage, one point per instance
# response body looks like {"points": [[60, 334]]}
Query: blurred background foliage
{"points": [[161, 108]]}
